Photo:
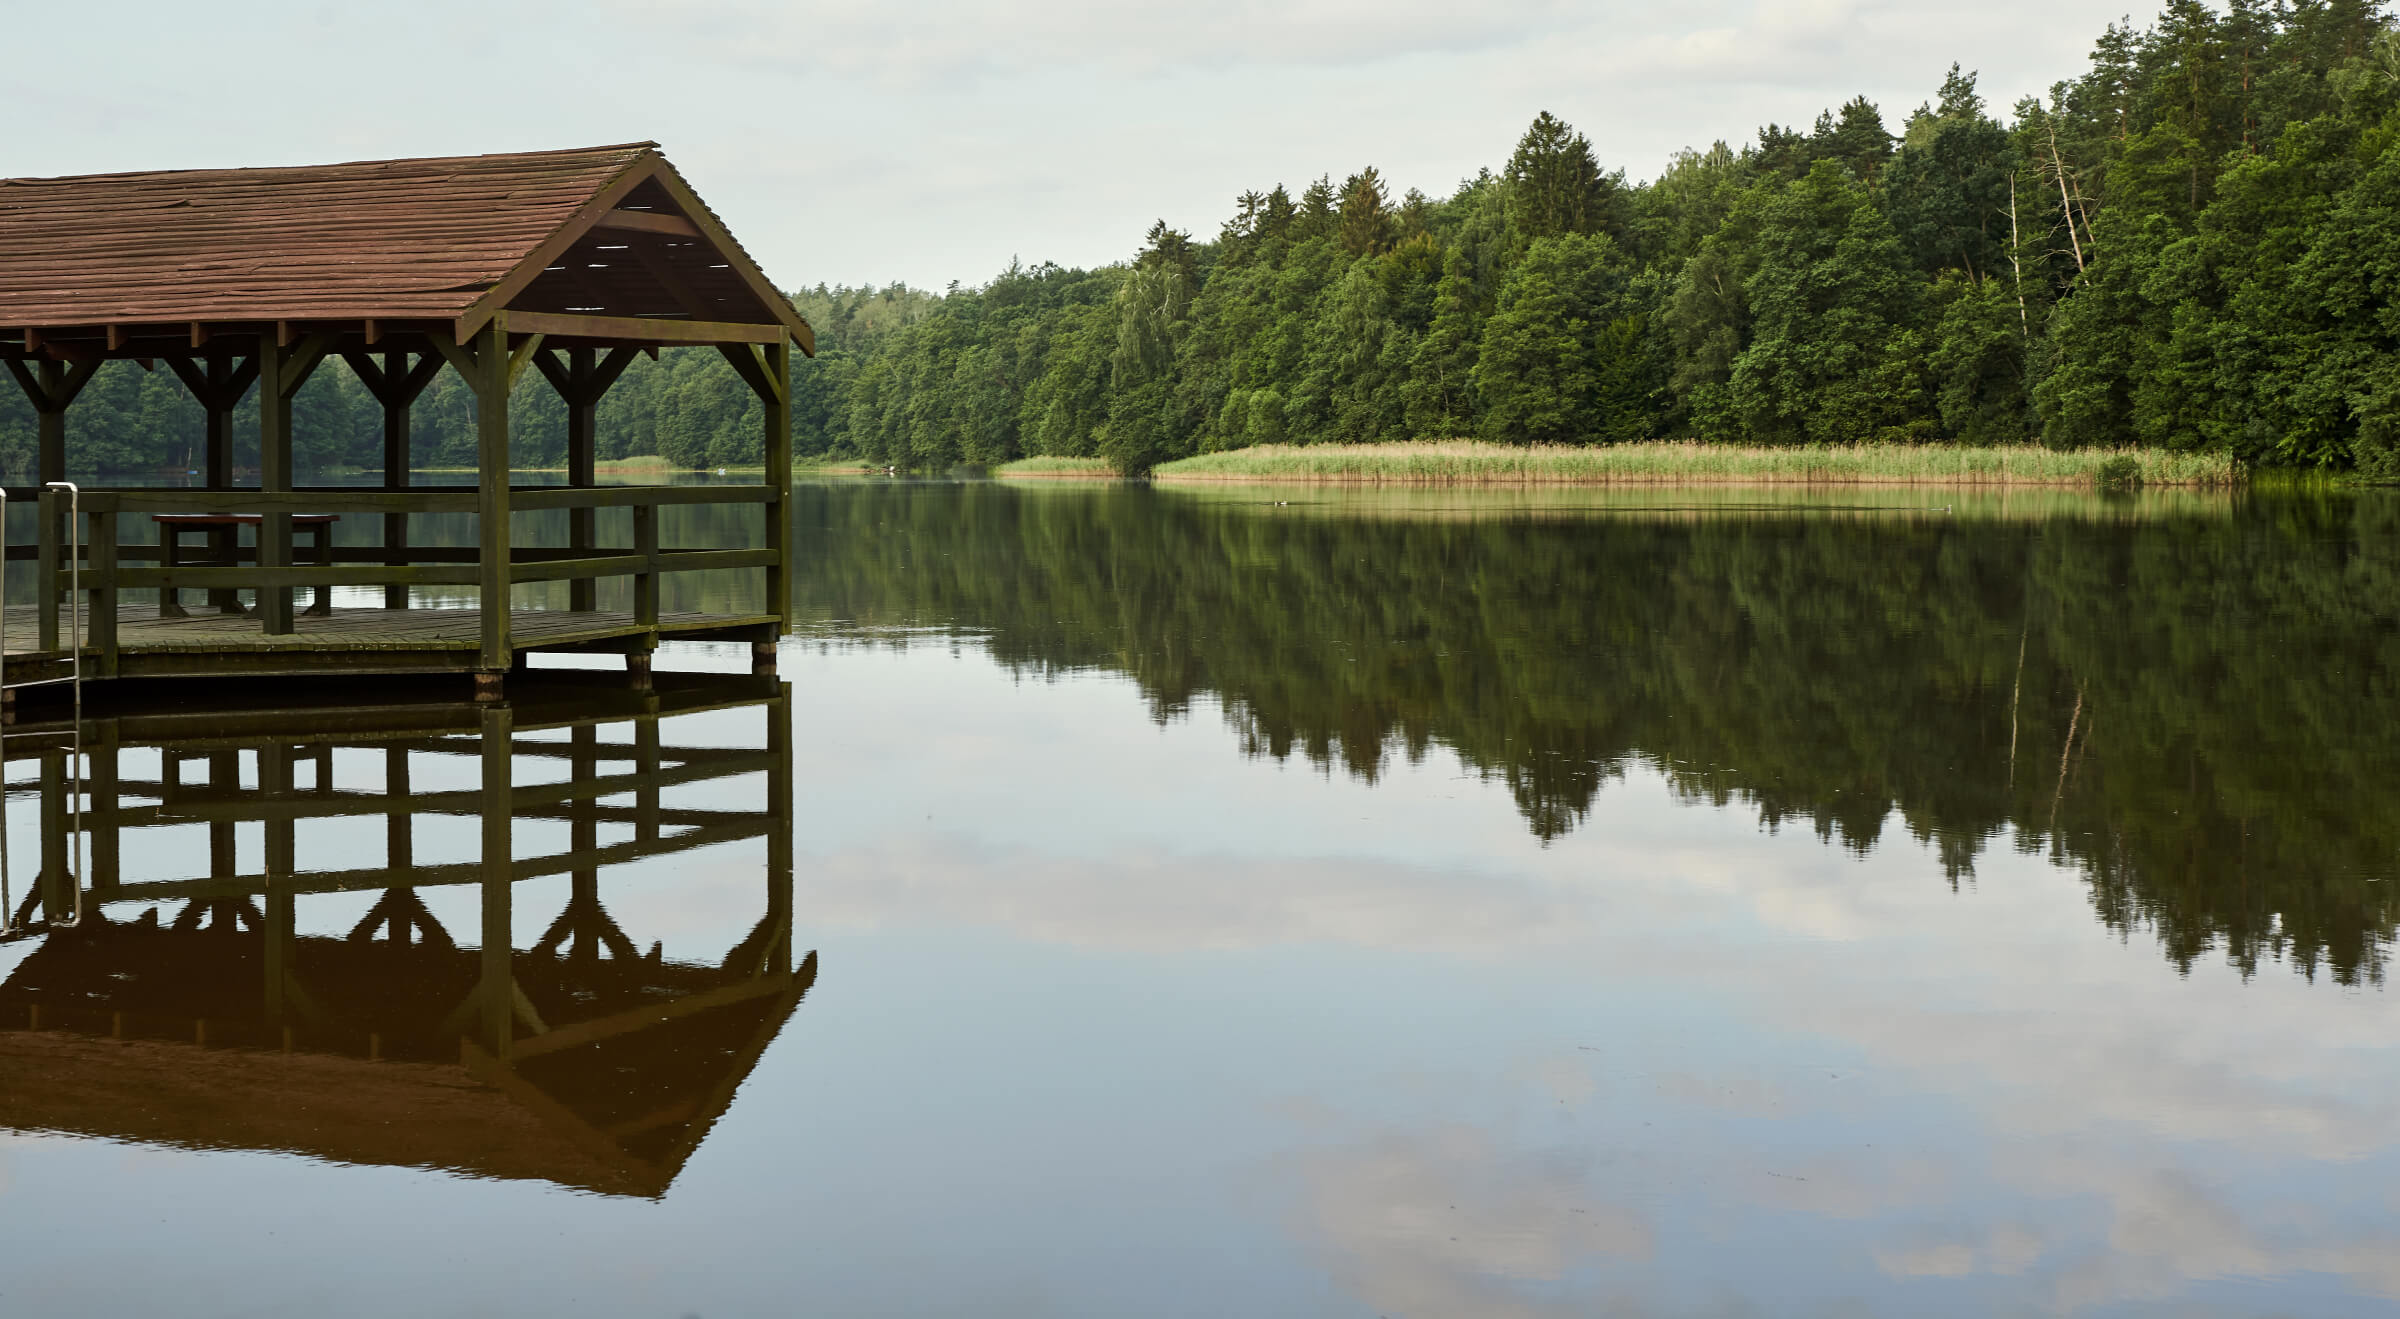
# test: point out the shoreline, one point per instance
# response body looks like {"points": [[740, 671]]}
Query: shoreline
{"points": [[1668, 479], [1443, 463], [1047, 468]]}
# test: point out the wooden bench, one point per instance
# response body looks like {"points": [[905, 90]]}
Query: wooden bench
{"points": [[224, 541]]}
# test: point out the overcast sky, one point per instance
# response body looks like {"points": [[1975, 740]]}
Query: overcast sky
{"points": [[934, 142]]}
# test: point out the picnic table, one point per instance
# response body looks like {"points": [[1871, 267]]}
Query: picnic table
{"points": [[224, 547]]}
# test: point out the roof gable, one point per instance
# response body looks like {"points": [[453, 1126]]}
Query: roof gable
{"points": [[442, 239]]}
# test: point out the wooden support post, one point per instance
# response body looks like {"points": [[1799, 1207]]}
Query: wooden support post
{"points": [[583, 415], [762, 658], [50, 508], [224, 777], [395, 384], [637, 670], [61, 385], [778, 409], [58, 898], [51, 387], [395, 474], [217, 383], [645, 769], [275, 791], [399, 839], [103, 811], [496, 987], [491, 685], [492, 374], [645, 582], [100, 591], [581, 376], [217, 471], [50, 438], [219, 476], [583, 839], [779, 824], [281, 373], [274, 476]]}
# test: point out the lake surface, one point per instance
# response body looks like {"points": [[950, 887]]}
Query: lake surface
{"points": [[1281, 902]]}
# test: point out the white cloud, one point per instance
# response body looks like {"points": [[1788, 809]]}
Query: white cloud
{"points": [[1447, 1221], [934, 142], [2001, 1248], [911, 45]]}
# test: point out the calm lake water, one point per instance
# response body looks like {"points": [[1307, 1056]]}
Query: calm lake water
{"points": [[1273, 902]]}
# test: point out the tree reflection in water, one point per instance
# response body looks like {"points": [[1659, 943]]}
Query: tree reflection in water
{"points": [[2191, 701]]}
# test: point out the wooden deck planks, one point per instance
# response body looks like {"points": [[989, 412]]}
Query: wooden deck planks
{"points": [[141, 631]]}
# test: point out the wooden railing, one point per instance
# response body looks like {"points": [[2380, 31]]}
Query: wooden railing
{"points": [[109, 567]]}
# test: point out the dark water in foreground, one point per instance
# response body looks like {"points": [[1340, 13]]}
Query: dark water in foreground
{"points": [[1523, 905]]}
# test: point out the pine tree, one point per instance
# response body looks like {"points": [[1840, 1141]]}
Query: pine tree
{"points": [[1554, 184], [1276, 214], [1319, 211], [1858, 139], [1366, 218]]}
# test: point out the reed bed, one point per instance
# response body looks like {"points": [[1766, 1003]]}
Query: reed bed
{"points": [[1056, 467], [1461, 462]]}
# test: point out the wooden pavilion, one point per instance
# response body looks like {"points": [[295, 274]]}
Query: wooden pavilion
{"points": [[571, 262]]}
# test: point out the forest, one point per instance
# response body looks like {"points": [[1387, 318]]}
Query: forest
{"points": [[2192, 244]]}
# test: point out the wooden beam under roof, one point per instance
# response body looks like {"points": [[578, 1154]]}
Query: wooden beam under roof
{"points": [[647, 222], [654, 261], [670, 182], [632, 175], [640, 329]]}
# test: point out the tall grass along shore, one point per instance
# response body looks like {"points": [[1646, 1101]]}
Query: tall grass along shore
{"points": [[1089, 468], [1468, 463]]}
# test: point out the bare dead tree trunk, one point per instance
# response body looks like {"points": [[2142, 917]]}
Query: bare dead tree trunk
{"points": [[2066, 205], [2016, 266], [2063, 751], [2014, 690]]}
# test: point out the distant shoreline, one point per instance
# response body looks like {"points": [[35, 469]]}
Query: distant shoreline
{"points": [[1059, 469], [800, 467], [1466, 463]]}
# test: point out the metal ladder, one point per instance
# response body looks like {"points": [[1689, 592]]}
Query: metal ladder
{"points": [[9, 929]]}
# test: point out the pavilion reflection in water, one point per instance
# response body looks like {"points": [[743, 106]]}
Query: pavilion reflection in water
{"points": [[190, 1011]]}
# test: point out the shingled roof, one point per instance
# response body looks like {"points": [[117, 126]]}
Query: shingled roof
{"points": [[602, 232]]}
